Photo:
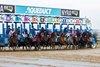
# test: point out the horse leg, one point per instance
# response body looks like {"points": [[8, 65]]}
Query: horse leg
{"points": [[0, 47], [26, 46], [59, 45], [23, 47], [19, 43], [42, 44], [50, 46], [38, 46], [35, 46], [46, 44], [12, 46], [69, 46], [53, 46], [76, 46]]}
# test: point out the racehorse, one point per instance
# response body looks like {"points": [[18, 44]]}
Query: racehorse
{"points": [[52, 40], [70, 41], [61, 40], [76, 42], [13, 41], [38, 42], [23, 40], [43, 39], [88, 40], [82, 42]]}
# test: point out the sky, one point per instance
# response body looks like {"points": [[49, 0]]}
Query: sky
{"points": [[88, 8]]}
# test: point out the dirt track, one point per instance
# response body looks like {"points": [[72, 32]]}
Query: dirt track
{"points": [[88, 55]]}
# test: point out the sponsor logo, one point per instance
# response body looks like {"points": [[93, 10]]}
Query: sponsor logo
{"points": [[7, 9], [67, 12], [38, 10]]}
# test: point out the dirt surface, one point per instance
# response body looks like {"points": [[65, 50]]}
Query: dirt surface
{"points": [[84, 55]]}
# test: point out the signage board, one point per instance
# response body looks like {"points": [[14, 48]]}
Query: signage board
{"points": [[37, 10], [68, 12], [7, 8]]}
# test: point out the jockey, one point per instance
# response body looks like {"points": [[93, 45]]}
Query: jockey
{"points": [[42, 29], [66, 30], [18, 30], [70, 29], [11, 33], [78, 32], [7, 31], [33, 31], [68, 34], [91, 31], [85, 33], [25, 34]]}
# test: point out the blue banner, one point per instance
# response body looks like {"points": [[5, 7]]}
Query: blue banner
{"points": [[38, 11]]}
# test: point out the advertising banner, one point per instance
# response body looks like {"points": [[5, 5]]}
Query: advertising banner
{"points": [[37, 11], [7, 8], [68, 12]]}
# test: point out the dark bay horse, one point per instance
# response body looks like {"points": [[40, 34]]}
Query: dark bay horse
{"points": [[88, 39], [24, 41], [85, 40], [13, 41], [76, 41], [61, 40], [38, 42], [44, 39], [52, 40]]}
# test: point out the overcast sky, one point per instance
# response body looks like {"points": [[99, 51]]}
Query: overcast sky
{"points": [[88, 8]]}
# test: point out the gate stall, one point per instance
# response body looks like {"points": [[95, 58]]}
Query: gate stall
{"points": [[49, 24]]}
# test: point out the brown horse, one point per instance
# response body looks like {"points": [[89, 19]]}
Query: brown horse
{"points": [[88, 40], [76, 42], [38, 42], [52, 40], [44, 39], [61, 40], [13, 41]]}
